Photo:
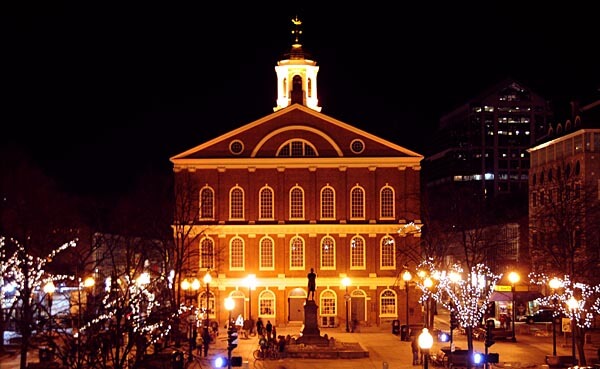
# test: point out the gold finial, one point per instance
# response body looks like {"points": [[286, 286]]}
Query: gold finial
{"points": [[296, 31]]}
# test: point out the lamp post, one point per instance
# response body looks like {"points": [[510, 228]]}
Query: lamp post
{"points": [[573, 304], [87, 283], [513, 278], [425, 343], [49, 289], [346, 283], [555, 284], [229, 305], [454, 279], [406, 276], [428, 283], [207, 280], [191, 291]]}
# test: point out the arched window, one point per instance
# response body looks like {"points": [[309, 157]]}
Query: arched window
{"points": [[357, 205], [328, 253], [267, 254], [236, 254], [236, 203], [327, 203], [266, 206], [266, 304], [388, 253], [297, 253], [211, 303], [388, 304], [327, 303], [309, 87], [357, 253], [207, 256], [296, 148], [387, 203], [296, 203], [207, 203]]}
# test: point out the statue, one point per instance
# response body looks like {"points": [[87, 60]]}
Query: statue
{"points": [[312, 285]]}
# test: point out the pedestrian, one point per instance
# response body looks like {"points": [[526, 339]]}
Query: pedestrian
{"points": [[269, 328], [206, 340], [415, 349], [260, 326]]}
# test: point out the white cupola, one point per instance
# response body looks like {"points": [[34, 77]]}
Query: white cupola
{"points": [[297, 76]]}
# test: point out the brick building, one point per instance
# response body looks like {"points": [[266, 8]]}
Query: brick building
{"points": [[296, 190]]}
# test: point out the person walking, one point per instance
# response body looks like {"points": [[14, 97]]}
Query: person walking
{"points": [[206, 340], [260, 326], [269, 328], [415, 349]]}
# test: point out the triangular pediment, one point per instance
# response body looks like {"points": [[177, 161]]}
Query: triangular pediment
{"points": [[265, 137]]}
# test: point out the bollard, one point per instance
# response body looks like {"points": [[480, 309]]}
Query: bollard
{"points": [[385, 365]]}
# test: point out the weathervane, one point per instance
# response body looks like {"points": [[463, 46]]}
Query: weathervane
{"points": [[296, 31]]}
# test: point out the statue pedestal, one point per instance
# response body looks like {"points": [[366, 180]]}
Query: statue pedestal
{"points": [[311, 335]]}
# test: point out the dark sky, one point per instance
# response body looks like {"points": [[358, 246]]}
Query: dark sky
{"points": [[98, 91]]}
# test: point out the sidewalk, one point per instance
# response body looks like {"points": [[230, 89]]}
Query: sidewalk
{"points": [[386, 351]]}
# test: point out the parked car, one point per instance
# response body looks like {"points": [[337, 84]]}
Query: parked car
{"points": [[542, 315]]}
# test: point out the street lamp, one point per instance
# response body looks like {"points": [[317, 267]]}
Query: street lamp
{"points": [[49, 289], [406, 276], [573, 304], [555, 284], [229, 305], [207, 280], [191, 293], [513, 278], [87, 283], [190, 289], [428, 283], [346, 283], [425, 343]]}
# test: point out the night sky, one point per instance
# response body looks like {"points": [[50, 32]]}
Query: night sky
{"points": [[98, 91]]}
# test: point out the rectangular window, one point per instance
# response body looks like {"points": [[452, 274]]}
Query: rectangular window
{"points": [[328, 306]]}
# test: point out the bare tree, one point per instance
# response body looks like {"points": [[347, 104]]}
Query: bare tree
{"points": [[565, 226]]}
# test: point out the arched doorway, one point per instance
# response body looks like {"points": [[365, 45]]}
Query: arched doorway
{"points": [[358, 306]]}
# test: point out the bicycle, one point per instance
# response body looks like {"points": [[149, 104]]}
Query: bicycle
{"points": [[269, 351], [191, 362]]}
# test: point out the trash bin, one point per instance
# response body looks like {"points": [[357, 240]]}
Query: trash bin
{"points": [[396, 327], [177, 360], [46, 354], [404, 333]]}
